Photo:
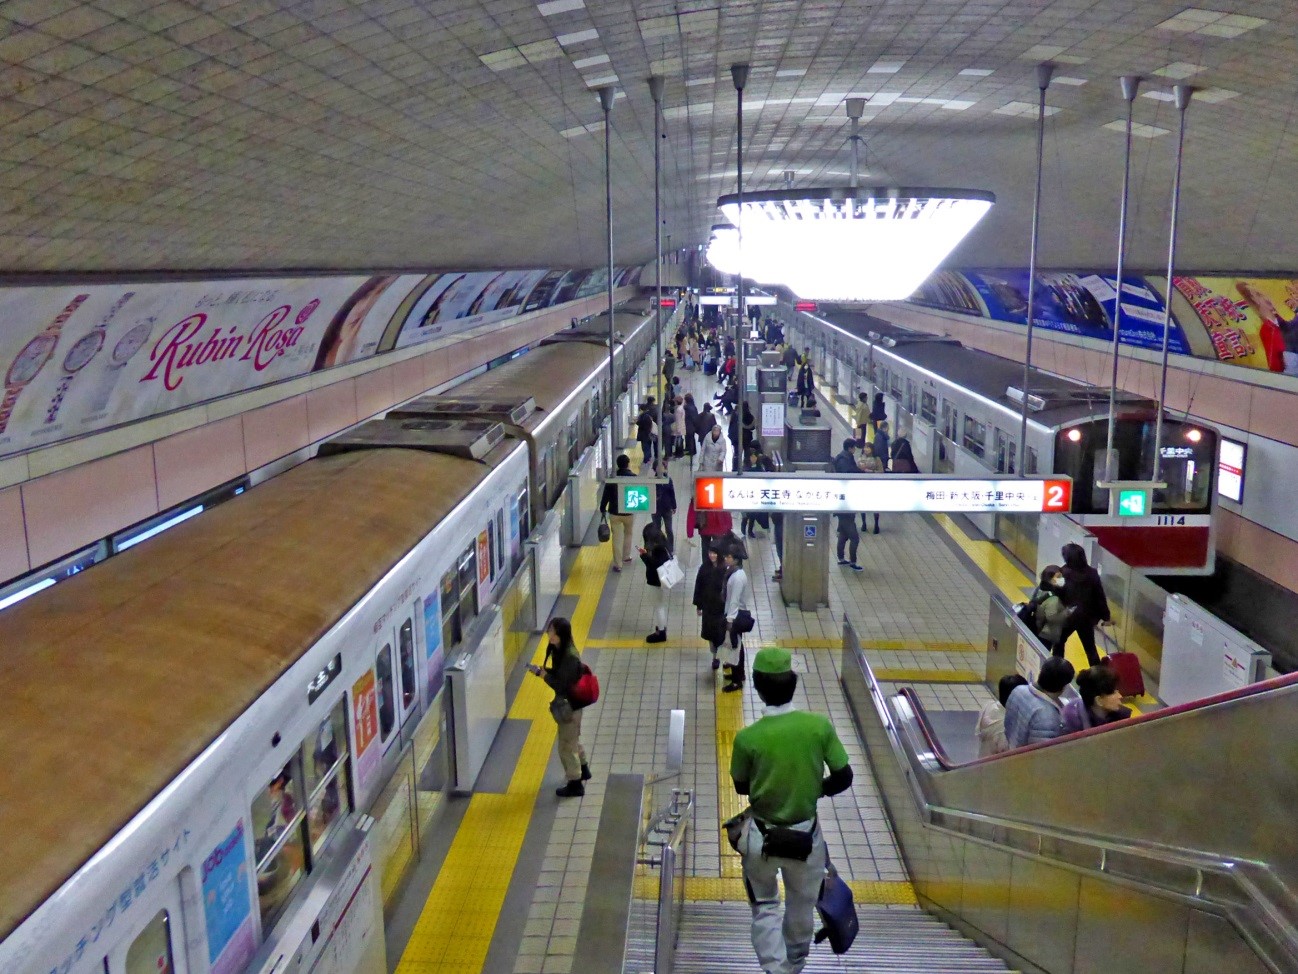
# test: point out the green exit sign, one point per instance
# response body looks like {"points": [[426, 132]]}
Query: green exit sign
{"points": [[1133, 503], [635, 499]]}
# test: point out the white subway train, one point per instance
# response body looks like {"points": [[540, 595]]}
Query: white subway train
{"points": [[962, 407], [200, 732]]}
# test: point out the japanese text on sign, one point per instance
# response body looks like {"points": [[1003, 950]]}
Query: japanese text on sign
{"points": [[883, 493]]}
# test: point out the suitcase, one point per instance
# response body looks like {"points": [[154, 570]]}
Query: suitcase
{"points": [[1131, 682]]}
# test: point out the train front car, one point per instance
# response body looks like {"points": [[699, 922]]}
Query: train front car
{"points": [[1174, 534]]}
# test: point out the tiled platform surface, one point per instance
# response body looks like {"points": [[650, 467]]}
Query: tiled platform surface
{"points": [[915, 605]]}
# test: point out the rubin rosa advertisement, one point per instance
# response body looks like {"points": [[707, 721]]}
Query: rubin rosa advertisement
{"points": [[1083, 304], [1251, 321], [81, 359]]}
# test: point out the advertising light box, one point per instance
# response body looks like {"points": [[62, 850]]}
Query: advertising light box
{"points": [[1230, 470], [883, 493]]}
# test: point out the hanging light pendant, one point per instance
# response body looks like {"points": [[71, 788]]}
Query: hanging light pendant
{"points": [[854, 243]]}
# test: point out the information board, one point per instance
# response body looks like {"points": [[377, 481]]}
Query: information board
{"points": [[883, 493]]}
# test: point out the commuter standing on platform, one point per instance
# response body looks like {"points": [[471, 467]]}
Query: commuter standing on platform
{"points": [[665, 516], [879, 411], [903, 457], [654, 554], [710, 601], [739, 617], [620, 525], [715, 447], [861, 417], [1035, 712], [646, 430], [669, 367], [779, 763], [806, 386], [691, 428], [1084, 596], [680, 430], [849, 539], [561, 671], [881, 443], [869, 463]]}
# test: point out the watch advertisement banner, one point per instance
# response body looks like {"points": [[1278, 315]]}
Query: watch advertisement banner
{"points": [[1082, 304], [1251, 321]]}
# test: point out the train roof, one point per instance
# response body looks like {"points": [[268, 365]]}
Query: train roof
{"points": [[117, 679], [548, 374], [986, 375]]}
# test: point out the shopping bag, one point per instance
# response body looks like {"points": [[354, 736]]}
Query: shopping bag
{"points": [[670, 573]]}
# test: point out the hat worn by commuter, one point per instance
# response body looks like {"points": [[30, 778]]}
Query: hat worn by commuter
{"points": [[773, 661]]}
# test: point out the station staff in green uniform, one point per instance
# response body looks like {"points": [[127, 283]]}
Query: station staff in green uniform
{"points": [[779, 762]]}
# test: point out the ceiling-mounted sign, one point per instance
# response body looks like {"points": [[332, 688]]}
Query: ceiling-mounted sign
{"points": [[883, 493]]}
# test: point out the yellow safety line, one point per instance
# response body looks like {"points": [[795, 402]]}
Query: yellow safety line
{"points": [[903, 674], [730, 721], [454, 931], [792, 643]]}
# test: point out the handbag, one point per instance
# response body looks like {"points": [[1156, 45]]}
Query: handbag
{"points": [[670, 573], [604, 532], [837, 911], [561, 710], [744, 622]]}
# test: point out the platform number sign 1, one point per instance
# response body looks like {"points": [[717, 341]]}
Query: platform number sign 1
{"points": [[635, 499]]}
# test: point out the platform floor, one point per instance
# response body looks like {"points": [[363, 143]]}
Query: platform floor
{"points": [[505, 890]]}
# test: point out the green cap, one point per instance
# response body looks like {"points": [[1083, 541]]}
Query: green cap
{"points": [[773, 661]]}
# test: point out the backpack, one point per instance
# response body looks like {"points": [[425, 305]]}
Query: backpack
{"points": [[586, 690], [1027, 613]]}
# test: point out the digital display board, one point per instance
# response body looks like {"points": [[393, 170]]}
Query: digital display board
{"points": [[883, 493], [1230, 470]]}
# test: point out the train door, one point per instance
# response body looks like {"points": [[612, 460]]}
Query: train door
{"points": [[157, 944], [396, 682]]}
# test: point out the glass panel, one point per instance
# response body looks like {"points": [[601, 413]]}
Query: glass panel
{"points": [[387, 691], [150, 953], [277, 813], [406, 657], [326, 747], [329, 802], [928, 407], [1031, 463], [975, 436]]}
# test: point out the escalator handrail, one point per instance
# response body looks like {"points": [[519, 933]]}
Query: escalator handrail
{"points": [[1219, 699]]}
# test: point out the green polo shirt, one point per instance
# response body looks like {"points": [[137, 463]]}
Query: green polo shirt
{"points": [[783, 759]]}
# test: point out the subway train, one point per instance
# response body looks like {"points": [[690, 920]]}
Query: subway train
{"points": [[221, 741], [963, 406]]}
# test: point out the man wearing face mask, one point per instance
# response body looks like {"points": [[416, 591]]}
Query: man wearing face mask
{"points": [[1051, 613]]}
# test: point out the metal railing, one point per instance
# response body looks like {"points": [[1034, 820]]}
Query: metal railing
{"points": [[1246, 893]]}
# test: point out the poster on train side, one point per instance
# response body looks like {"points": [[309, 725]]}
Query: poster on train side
{"points": [[1252, 321], [365, 729], [227, 905]]}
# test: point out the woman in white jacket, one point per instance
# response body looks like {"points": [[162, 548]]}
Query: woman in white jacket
{"points": [[739, 610], [712, 453]]}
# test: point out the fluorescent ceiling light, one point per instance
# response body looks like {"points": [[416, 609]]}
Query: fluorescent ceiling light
{"points": [[865, 244], [770, 42], [23, 593], [884, 67], [552, 7], [589, 62], [503, 60], [1179, 70], [1215, 96], [1138, 129], [606, 79], [578, 37], [790, 72], [1158, 95], [1211, 23], [700, 81], [538, 51], [977, 72], [1023, 109], [1042, 52], [1065, 80]]}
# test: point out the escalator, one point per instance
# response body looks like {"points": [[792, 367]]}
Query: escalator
{"points": [[1161, 844]]}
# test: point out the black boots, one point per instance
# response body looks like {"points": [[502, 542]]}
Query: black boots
{"points": [[585, 771], [657, 636], [573, 789]]}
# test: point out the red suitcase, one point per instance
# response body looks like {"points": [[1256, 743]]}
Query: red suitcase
{"points": [[1131, 682]]}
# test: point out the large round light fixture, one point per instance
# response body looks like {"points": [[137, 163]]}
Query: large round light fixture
{"points": [[872, 243], [723, 248]]}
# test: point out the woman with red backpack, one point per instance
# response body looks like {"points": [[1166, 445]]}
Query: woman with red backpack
{"points": [[563, 671]]}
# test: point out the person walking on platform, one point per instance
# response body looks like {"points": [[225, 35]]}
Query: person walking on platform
{"points": [[779, 763], [620, 525], [1035, 712], [849, 539], [646, 429], [861, 417], [869, 463], [679, 430], [669, 367], [664, 517], [710, 601], [739, 617], [713, 456], [1084, 596], [654, 554], [879, 411], [789, 359], [561, 671], [881, 443], [691, 427], [806, 385]]}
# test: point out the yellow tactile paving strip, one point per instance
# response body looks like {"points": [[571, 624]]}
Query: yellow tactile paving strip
{"points": [[904, 674], [453, 934], [883, 645], [730, 721]]}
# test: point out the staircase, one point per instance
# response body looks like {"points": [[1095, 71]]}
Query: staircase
{"points": [[893, 940]]}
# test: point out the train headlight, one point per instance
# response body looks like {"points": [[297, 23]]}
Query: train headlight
{"points": [[1193, 435], [1075, 435]]}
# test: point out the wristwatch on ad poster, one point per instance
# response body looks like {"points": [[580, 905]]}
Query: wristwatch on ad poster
{"points": [[27, 364], [79, 355], [130, 343]]}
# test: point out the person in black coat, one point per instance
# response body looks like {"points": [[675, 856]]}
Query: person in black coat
{"points": [[806, 387], [903, 457], [644, 430], [654, 554], [710, 601], [878, 411], [1087, 604], [666, 506], [691, 427]]}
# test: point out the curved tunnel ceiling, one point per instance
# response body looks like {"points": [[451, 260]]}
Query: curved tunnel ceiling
{"points": [[212, 134]]}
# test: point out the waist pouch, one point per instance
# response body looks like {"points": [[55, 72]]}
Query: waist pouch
{"points": [[781, 843]]}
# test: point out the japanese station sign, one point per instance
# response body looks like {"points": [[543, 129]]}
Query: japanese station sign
{"points": [[883, 493]]}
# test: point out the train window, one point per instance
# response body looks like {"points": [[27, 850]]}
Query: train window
{"points": [[1030, 463], [468, 606], [281, 854], [328, 789], [1004, 452], [524, 514], [882, 382], [975, 436], [928, 407], [500, 534], [573, 443], [911, 397], [950, 420], [491, 550], [387, 692], [150, 952], [895, 388], [451, 632], [406, 658]]}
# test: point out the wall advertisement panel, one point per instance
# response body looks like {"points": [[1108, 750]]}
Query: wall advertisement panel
{"points": [[82, 359], [1252, 321], [1082, 304]]}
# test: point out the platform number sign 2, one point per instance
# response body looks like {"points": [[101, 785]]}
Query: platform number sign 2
{"points": [[1058, 497], [635, 499]]}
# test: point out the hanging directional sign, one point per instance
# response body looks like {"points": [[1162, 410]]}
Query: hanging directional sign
{"points": [[883, 493]]}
